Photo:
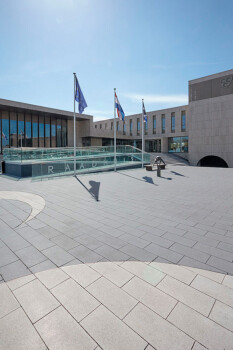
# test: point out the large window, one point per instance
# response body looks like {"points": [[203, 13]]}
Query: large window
{"points": [[64, 133], [131, 127], [53, 132], [178, 144], [145, 128], [154, 124], [163, 123], [111, 125], [47, 132], [41, 131], [13, 129], [173, 122], [118, 126], [28, 130], [35, 133], [138, 126], [183, 121], [124, 128], [5, 129], [58, 132], [21, 134]]}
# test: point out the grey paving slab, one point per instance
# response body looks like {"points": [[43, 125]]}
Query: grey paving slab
{"points": [[19, 282], [223, 315], [155, 330], [7, 256], [15, 241], [164, 253], [36, 300], [85, 254], [111, 254], [82, 273], [181, 274], [114, 242], [228, 281], [64, 242], [49, 232], [191, 253], [52, 277], [8, 303], [60, 331], [43, 266], [23, 336], [40, 242], [144, 271], [14, 270], [75, 299], [110, 333], [88, 241], [57, 255], [30, 256]]}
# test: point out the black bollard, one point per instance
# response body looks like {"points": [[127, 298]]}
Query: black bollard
{"points": [[158, 170]]}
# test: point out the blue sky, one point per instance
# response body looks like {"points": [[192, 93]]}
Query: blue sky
{"points": [[144, 48]]}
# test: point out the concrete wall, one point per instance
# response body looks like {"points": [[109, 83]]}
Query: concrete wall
{"points": [[83, 128]]}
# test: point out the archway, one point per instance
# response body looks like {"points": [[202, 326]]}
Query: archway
{"points": [[212, 161]]}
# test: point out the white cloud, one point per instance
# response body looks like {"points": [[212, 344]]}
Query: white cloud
{"points": [[100, 114], [167, 99]]}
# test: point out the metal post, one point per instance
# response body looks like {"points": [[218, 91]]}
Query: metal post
{"points": [[74, 127], [142, 134], [115, 160]]}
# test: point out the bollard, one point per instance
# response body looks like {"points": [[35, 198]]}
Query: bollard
{"points": [[158, 170]]}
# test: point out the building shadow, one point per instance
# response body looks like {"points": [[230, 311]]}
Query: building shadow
{"points": [[94, 190]]}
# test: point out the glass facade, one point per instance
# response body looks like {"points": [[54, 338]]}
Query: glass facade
{"points": [[183, 121], [145, 128], [131, 126], [33, 130], [163, 123], [124, 128], [118, 126], [178, 144], [154, 124], [173, 122], [138, 126]]}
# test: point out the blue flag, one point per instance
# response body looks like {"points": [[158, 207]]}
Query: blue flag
{"points": [[144, 113], [79, 97]]}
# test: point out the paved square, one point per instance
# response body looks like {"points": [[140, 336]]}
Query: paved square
{"points": [[147, 266]]}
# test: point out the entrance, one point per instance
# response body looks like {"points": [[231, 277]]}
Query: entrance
{"points": [[153, 146]]}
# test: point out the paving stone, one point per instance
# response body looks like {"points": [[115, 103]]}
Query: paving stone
{"points": [[40, 242], [138, 242], [178, 239], [202, 239], [132, 230], [198, 346], [49, 232], [228, 281], [19, 282], [175, 271], [151, 297], [60, 331], [110, 333], [164, 253], [226, 246], [51, 278], [214, 251], [82, 274], [35, 223], [112, 272], [111, 254], [152, 230], [155, 330], [144, 271], [35, 300], [111, 296], [43, 266], [190, 252], [23, 336], [30, 256], [88, 241], [192, 263], [6, 256], [187, 295], [223, 315], [75, 299], [14, 270], [192, 229], [64, 242], [138, 253], [27, 232], [58, 255], [8, 303], [201, 328], [221, 264], [112, 241], [214, 289], [15, 242], [85, 255]]}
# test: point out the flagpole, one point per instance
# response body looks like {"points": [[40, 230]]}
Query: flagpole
{"points": [[142, 133], [114, 130], [74, 129]]}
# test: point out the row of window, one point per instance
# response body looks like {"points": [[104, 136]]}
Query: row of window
{"points": [[163, 124], [26, 130]]}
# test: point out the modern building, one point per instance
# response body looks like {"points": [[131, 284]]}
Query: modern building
{"points": [[201, 131]]}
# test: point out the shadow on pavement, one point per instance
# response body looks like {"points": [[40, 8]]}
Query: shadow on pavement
{"points": [[94, 190]]}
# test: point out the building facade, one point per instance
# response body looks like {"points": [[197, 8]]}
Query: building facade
{"points": [[201, 131]]}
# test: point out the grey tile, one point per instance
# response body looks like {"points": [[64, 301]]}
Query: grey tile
{"points": [[40, 242], [65, 242], [35, 300], [14, 270], [88, 241], [58, 255], [85, 255], [51, 278], [223, 315], [43, 266], [138, 253], [191, 253], [112, 241], [24, 335], [111, 254], [60, 331], [82, 273], [49, 232], [30, 256], [6, 256], [164, 253], [8, 303]]}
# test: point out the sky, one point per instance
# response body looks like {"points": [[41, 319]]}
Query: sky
{"points": [[144, 48]]}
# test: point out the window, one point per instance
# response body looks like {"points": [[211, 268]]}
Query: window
{"points": [[47, 132], [138, 126], [41, 131], [154, 124], [96, 126], [34, 131], [118, 126], [53, 132], [100, 126], [173, 122], [163, 123], [178, 144], [106, 126], [28, 130], [58, 132], [64, 132], [124, 128], [13, 129], [183, 121], [111, 125], [21, 130], [146, 128], [5, 129], [131, 127]]}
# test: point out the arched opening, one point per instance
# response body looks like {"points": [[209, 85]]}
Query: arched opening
{"points": [[212, 161]]}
